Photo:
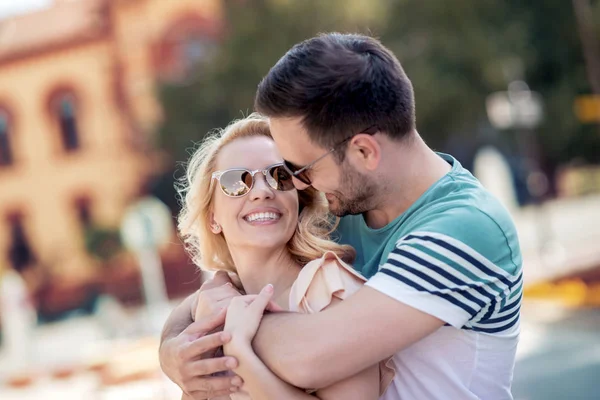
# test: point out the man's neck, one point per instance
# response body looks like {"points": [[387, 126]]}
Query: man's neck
{"points": [[257, 267], [407, 176]]}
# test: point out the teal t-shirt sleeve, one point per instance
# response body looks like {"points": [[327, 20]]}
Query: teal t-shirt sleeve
{"points": [[457, 265]]}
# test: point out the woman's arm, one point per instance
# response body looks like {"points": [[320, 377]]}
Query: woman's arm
{"points": [[260, 383], [243, 318], [364, 385]]}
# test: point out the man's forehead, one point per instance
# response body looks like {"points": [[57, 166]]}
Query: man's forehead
{"points": [[293, 140], [288, 127]]}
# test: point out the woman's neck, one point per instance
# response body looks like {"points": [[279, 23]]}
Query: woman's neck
{"points": [[259, 267]]}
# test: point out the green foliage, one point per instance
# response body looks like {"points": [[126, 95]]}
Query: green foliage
{"points": [[103, 243], [456, 53], [258, 34]]}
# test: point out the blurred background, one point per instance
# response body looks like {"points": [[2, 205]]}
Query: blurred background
{"points": [[102, 100]]}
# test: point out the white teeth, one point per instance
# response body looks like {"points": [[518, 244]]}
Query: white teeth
{"points": [[262, 216]]}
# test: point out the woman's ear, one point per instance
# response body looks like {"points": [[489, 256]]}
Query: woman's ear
{"points": [[214, 225]]}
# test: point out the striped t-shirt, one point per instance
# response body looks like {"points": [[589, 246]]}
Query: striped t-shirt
{"points": [[453, 254]]}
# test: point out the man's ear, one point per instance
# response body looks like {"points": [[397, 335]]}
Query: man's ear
{"points": [[366, 151]]}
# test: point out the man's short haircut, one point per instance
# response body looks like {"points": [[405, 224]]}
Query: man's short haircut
{"points": [[340, 85]]}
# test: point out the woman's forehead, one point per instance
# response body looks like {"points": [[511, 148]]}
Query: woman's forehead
{"points": [[254, 152]]}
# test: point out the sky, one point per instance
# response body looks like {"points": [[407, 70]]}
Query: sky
{"points": [[15, 7]]}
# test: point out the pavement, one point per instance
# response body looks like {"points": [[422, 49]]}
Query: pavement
{"points": [[559, 238], [559, 353], [558, 358], [110, 356]]}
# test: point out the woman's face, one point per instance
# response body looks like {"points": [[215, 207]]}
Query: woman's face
{"points": [[264, 217]]}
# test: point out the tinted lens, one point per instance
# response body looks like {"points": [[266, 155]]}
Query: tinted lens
{"points": [[292, 169], [279, 178], [236, 182]]}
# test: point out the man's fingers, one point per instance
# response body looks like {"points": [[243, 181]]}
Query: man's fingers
{"points": [[211, 366], [224, 292], [203, 344], [206, 324], [219, 279], [210, 385], [260, 303], [211, 296]]}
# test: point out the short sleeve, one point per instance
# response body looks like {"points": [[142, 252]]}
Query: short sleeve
{"points": [[459, 269], [320, 281]]}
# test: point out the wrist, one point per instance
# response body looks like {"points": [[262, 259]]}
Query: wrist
{"points": [[239, 349]]}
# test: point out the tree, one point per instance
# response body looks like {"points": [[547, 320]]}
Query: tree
{"points": [[456, 53], [258, 33]]}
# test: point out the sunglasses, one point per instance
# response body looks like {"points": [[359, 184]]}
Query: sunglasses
{"points": [[301, 173], [238, 182]]}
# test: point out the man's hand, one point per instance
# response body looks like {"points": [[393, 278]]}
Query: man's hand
{"points": [[183, 359], [213, 300]]}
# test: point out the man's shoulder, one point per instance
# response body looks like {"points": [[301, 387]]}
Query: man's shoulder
{"points": [[474, 227]]}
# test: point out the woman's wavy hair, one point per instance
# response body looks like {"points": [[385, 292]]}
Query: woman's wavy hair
{"points": [[208, 250]]}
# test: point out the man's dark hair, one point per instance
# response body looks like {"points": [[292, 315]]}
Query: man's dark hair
{"points": [[340, 85]]}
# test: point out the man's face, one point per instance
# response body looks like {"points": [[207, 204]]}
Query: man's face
{"points": [[348, 191]]}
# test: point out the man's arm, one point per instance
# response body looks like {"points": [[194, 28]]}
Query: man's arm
{"points": [[359, 332], [448, 273], [179, 319]]}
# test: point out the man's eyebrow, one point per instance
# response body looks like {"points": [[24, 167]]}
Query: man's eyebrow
{"points": [[293, 164]]}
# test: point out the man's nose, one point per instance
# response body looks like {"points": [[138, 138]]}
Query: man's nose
{"points": [[299, 184]]}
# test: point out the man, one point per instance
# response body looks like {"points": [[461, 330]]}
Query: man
{"points": [[441, 254]]}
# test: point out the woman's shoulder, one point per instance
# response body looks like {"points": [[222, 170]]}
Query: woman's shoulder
{"points": [[320, 281]]}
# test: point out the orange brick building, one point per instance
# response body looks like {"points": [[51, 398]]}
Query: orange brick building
{"points": [[78, 114]]}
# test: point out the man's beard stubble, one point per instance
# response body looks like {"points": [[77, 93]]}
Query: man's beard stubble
{"points": [[356, 193]]}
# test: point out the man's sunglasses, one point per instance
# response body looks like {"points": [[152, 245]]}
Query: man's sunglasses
{"points": [[237, 182], [301, 173]]}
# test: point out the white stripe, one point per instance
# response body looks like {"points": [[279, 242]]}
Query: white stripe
{"points": [[459, 260], [455, 273], [476, 255], [429, 287], [503, 313], [481, 313], [496, 313], [496, 325], [479, 316], [441, 279]]}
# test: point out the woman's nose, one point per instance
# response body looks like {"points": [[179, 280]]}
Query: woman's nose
{"points": [[261, 189]]}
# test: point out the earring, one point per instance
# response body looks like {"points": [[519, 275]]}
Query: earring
{"points": [[216, 227]]}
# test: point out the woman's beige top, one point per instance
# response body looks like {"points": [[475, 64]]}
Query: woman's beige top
{"points": [[319, 282]]}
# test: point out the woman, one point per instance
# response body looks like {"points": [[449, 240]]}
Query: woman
{"points": [[242, 213]]}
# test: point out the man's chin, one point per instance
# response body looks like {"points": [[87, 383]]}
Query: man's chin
{"points": [[335, 209]]}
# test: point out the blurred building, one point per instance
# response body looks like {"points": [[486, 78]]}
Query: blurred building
{"points": [[77, 116]]}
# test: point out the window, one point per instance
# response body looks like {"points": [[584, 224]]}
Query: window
{"points": [[64, 111], [5, 132], [20, 254], [84, 212], [194, 50], [190, 43]]}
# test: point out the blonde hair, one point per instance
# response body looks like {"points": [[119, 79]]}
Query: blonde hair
{"points": [[311, 238]]}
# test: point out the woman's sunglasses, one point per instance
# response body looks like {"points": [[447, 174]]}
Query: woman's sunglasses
{"points": [[237, 182]]}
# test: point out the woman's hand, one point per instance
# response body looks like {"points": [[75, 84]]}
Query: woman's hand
{"points": [[244, 315]]}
